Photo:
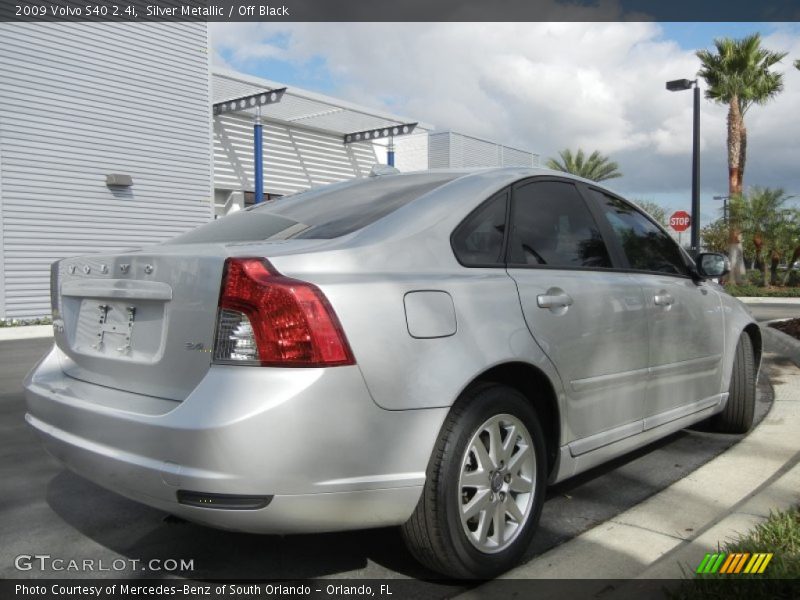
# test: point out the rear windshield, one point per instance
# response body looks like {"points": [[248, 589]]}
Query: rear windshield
{"points": [[321, 213]]}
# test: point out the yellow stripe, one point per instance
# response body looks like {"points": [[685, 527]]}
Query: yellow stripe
{"points": [[727, 562], [765, 563], [741, 562], [754, 563]]}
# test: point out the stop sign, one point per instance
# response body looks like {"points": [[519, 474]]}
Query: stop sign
{"points": [[680, 220]]}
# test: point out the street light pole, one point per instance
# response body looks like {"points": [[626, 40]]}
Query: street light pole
{"points": [[696, 172], [676, 86]]}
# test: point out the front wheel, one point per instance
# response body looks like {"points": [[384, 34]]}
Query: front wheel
{"points": [[737, 417], [485, 486]]}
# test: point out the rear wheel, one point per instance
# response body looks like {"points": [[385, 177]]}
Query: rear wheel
{"points": [[740, 408], [485, 486]]}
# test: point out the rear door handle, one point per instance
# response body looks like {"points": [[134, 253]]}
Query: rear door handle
{"points": [[550, 300], [663, 299]]}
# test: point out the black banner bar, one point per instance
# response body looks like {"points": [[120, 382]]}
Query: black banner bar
{"points": [[754, 588], [399, 10]]}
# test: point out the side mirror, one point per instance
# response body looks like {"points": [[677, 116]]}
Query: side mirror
{"points": [[711, 265]]}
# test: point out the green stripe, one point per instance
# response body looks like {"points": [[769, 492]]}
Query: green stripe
{"points": [[711, 562], [718, 564], [703, 564]]}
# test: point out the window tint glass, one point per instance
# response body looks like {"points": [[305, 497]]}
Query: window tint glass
{"points": [[322, 213], [552, 226], [478, 241], [645, 245]]}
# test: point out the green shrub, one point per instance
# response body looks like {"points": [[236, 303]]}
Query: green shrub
{"points": [[24, 322], [755, 277], [769, 292], [780, 534]]}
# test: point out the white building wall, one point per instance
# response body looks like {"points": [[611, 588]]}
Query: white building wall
{"points": [[456, 150], [411, 152], [77, 102]]}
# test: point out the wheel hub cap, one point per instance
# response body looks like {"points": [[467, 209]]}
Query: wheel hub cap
{"points": [[497, 483]]}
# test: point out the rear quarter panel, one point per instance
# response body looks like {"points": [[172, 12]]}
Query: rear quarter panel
{"points": [[410, 251]]}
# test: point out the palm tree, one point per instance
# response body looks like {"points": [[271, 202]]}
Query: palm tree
{"points": [[763, 216], [738, 74], [597, 167]]}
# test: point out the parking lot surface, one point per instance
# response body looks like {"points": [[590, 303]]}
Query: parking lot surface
{"points": [[48, 510]]}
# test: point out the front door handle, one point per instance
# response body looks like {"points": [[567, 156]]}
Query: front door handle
{"points": [[664, 299], [554, 300]]}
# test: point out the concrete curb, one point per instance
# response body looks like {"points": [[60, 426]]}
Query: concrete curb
{"points": [[768, 300], [26, 332], [667, 535]]}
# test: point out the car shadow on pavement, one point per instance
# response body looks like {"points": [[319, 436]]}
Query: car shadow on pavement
{"points": [[135, 531]]}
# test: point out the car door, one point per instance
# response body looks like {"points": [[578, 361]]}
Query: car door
{"points": [[684, 316], [589, 319]]}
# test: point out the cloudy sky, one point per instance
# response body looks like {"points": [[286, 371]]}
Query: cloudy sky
{"points": [[543, 87]]}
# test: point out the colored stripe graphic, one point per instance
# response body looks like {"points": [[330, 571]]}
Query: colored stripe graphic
{"points": [[703, 563], [734, 563], [765, 563], [753, 564], [740, 564], [718, 562], [708, 563], [726, 565], [735, 559]]}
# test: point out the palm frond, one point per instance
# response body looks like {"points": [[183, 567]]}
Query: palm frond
{"points": [[596, 166]]}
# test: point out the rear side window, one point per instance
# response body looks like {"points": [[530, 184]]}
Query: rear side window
{"points": [[321, 213], [646, 247], [552, 226], [478, 241]]}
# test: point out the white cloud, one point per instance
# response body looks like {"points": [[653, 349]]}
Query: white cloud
{"points": [[543, 87]]}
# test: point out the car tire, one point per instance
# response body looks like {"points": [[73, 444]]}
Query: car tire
{"points": [[737, 417], [476, 467]]}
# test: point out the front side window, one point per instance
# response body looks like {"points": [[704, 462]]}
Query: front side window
{"points": [[646, 247], [552, 226], [478, 241]]}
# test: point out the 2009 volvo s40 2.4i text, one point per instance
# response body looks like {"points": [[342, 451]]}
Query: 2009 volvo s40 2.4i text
{"points": [[425, 349]]}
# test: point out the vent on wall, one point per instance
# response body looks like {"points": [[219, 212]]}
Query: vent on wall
{"points": [[118, 180]]}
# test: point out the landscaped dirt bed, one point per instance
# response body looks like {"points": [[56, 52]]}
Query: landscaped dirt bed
{"points": [[790, 327]]}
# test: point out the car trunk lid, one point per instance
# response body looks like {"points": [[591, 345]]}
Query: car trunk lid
{"points": [[142, 321]]}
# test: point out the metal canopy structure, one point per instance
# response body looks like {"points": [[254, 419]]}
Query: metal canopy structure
{"points": [[253, 101], [304, 108], [381, 133], [239, 95]]}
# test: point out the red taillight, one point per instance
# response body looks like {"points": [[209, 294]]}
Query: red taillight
{"points": [[271, 320]]}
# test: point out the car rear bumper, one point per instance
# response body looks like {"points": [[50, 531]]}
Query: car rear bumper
{"points": [[312, 440]]}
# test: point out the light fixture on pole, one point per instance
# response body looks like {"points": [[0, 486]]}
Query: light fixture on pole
{"points": [[724, 206], [678, 85], [390, 131]]}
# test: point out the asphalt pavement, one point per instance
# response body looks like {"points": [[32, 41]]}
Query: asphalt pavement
{"points": [[48, 510]]}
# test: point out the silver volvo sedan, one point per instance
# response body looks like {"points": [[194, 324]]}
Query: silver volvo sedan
{"points": [[428, 350]]}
